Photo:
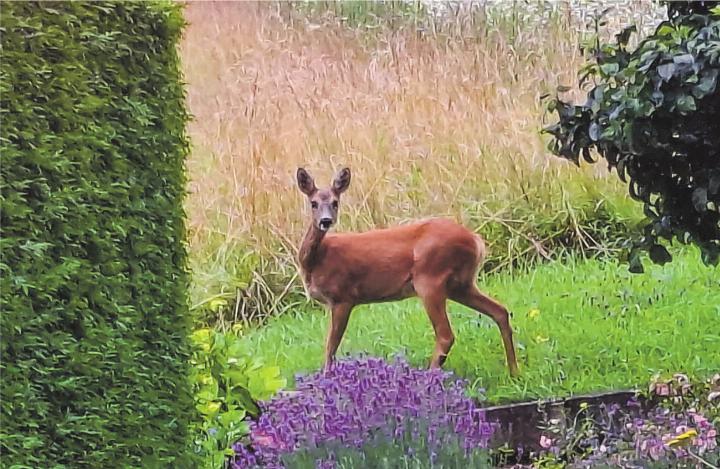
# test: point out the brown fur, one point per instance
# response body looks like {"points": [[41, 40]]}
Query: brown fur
{"points": [[434, 259]]}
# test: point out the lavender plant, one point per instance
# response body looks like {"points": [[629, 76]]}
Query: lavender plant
{"points": [[361, 401], [414, 449]]}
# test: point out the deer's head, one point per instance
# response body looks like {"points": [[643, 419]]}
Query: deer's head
{"points": [[323, 202]]}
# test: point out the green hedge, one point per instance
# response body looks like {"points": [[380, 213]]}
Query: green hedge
{"points": [[94, 311]]}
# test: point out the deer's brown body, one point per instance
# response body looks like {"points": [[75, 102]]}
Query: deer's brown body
{"points": [[382, 265], [434, 259]]}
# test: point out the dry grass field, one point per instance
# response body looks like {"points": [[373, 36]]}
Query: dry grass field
{"points": [[439, 120]]}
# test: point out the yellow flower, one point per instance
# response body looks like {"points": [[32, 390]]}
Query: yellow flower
{"points": [[583, 405], [534, 313], [540, 339], [683, 438]]}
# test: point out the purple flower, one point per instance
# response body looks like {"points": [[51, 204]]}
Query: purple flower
{"points": [[655, 435], [359, 399]]}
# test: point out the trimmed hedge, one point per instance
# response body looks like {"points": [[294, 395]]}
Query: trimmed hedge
{"points": [[94, 311]]}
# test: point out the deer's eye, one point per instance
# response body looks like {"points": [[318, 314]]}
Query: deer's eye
{"points": [[335, 204], [313, 204]]}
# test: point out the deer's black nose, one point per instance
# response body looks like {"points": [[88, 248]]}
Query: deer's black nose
{"points": [[325, 223]]}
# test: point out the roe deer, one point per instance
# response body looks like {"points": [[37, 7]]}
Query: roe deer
{"points": [[435, 259]]}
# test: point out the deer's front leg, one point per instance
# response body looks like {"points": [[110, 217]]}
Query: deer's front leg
{"points": [[339, 315]]}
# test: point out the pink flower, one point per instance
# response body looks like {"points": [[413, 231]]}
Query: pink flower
{"points": [[545, 442], [261, 439], [655, 451]]}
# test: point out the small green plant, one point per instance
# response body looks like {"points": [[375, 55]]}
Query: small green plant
{"points": [[226, 383]]}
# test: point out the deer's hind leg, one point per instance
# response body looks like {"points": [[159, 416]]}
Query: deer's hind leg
{"points": [[470, 296], [433, 293]]}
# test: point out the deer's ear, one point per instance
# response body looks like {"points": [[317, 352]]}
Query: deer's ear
{"points": [[341, 181], [305, 182]]}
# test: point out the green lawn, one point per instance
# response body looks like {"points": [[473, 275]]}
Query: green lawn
{"points": [[599, 327]]}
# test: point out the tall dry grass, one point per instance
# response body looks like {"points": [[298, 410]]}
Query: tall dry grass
{"points": [[434, 122]]}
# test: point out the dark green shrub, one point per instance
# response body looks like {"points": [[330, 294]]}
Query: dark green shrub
{"points": [[654, 115], [94, 311]]}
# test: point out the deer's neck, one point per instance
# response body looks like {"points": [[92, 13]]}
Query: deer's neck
{"points": [[310, 247]]}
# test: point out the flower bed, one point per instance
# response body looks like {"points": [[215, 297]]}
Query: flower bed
{"points": [[617, 439], [370, 413], [676, 428], [366, 400]]}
